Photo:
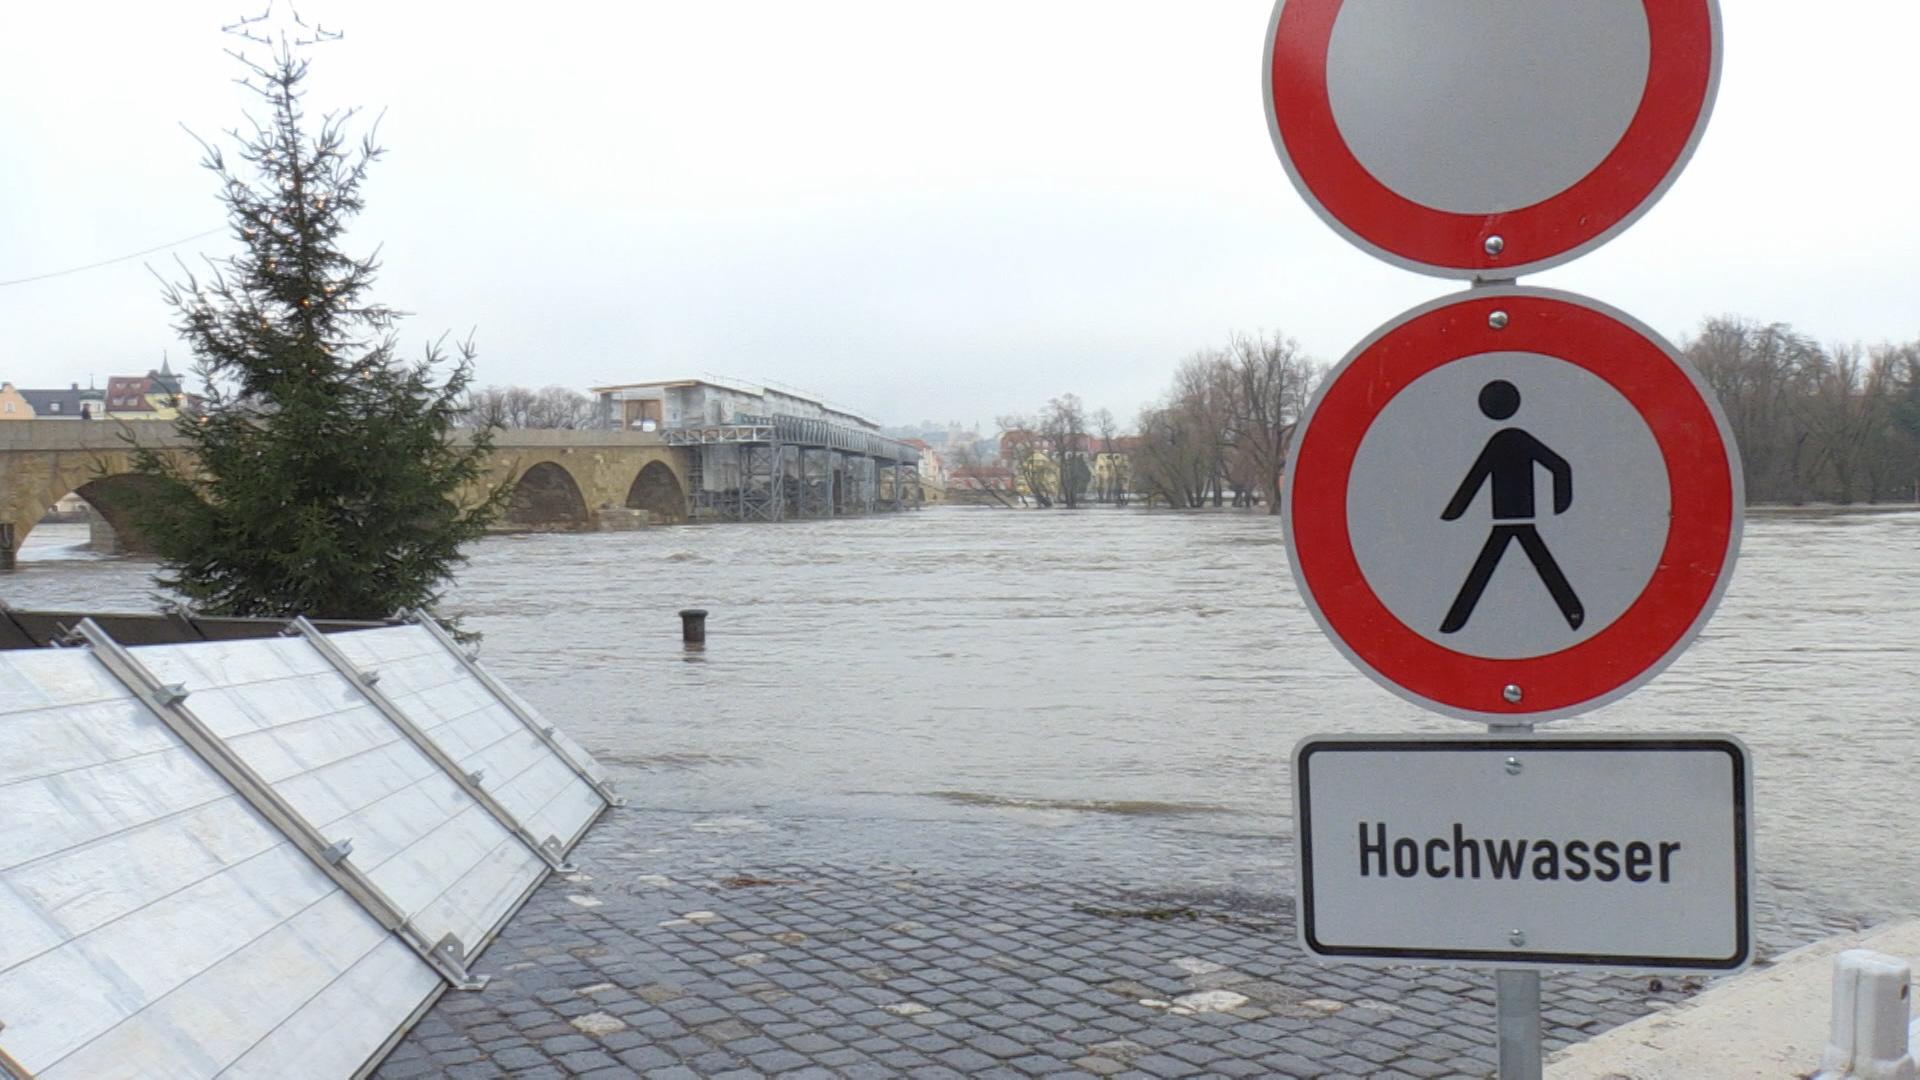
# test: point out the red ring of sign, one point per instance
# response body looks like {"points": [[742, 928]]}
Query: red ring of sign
{"points": [[1680, 34], [1641, 639]]}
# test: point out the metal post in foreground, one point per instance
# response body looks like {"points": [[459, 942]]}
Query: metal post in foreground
{"points": [[1517, 992], [1519, 1004], [693, 626]]}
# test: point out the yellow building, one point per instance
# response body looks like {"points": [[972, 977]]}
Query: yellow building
{"points": [[1038, 475], [1112, 473], [12, 405]]}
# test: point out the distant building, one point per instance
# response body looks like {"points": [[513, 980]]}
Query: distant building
{"points": [[680, 403], [13, 404], [932, 469], [72, 403], [154, 396]]}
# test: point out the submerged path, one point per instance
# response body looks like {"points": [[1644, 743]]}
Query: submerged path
{"points": [[692, 946]]}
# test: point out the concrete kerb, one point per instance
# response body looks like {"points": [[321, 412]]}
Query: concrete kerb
{"points": [[1770, 1021]]}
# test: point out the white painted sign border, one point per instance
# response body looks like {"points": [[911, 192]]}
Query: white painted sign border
{"points": [[1521, 957]]}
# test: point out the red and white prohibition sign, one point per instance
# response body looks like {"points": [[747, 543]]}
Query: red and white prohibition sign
{"points": [[1487, 138], [1513, 506]]}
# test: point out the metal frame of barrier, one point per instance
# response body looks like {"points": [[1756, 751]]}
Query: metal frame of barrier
{"points": [[542, 731], [326, 678], [551, 851], [447, 956]]}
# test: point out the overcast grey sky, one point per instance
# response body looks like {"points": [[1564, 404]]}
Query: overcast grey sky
{"points": [[917, 210]]}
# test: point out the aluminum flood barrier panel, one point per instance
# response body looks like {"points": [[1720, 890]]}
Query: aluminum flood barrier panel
{"points": [[247, 859], [543, 778]]}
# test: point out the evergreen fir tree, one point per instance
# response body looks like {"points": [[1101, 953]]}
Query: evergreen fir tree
{"points": [[325, 478]]}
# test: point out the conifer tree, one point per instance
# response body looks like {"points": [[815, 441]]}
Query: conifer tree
{"points": [[324, 477]]}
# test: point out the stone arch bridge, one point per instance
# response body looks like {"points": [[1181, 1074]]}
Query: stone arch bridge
{"points": [[561, 479]]}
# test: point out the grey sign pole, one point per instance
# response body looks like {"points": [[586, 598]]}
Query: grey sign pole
{"points": [[1519, 997], [1517, 993]]}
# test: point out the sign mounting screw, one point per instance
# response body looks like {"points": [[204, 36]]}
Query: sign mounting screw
{"points": [[1512, 694], [1513, 766], [1495, 245], [1497, 320], [1517, 938]]}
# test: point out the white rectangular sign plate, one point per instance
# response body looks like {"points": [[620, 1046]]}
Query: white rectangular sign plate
{"points": [[1629, 853]]}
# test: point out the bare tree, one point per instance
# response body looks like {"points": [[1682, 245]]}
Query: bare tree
{"points": [[519, 407], [1763, 375], [1112, 466], [1175, 459], [1063, 431], [968, 466], [559, 407], [1021, 450], [1268, 382]]}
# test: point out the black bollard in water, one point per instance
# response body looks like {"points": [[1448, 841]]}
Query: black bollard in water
{"points": [[693, 626]]}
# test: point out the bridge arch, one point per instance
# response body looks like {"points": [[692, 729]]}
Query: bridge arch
{"points": [[113, 498], [546, 496], [42, 478], [657, 490]]}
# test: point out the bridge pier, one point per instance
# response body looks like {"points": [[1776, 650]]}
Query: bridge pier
{"points": [[6, 545], [101, 536]]}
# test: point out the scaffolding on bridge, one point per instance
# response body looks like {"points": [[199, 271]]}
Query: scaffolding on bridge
{"points": [[775, 468]]}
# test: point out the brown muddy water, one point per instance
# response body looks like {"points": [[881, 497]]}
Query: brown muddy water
{"points": [[1116, 682]]}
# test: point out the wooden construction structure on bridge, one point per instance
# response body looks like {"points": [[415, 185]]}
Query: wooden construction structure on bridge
{"points": [[777, 467]]}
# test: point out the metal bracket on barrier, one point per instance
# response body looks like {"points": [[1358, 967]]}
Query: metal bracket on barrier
{"points": [[453, 956], [542, 731], [330, 859], [468, 782]]}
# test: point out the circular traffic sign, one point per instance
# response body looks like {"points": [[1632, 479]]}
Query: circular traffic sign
{"points": [[1484, 138], [1513, 506]]}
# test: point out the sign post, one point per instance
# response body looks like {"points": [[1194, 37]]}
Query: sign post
{"points": [[1520, 505]]}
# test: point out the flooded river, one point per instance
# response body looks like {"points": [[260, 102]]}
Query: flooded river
{"points": [[1116, 692]]}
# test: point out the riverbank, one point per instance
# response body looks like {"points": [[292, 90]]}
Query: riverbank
{"points": [[727, 945], [1090, 706]]}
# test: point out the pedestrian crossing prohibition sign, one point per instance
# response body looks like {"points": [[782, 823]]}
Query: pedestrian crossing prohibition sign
{"points": [[1521, 504]]}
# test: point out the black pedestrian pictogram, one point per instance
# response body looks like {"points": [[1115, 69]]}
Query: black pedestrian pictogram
{"points": [[1508, 461]]}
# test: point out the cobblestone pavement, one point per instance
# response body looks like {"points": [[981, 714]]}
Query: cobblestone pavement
{"points": [[682, 951]]}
